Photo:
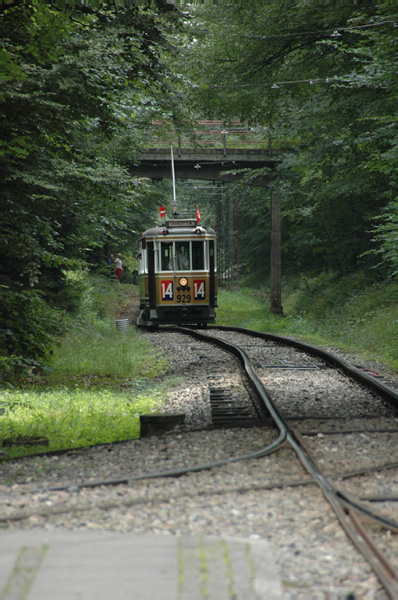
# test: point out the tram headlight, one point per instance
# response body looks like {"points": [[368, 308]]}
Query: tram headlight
{"points": [[183, 281]]}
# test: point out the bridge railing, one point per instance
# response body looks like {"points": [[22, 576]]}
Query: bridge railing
{"points": [[215, 134]]}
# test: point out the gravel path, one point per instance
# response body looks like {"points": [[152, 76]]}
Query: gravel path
{"points": [[261, 498]]}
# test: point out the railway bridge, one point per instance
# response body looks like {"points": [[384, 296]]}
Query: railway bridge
{"points": [[215, 151], [207, 164]]}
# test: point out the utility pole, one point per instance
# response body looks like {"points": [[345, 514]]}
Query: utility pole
{"points": [[235, 241], [276, 258]]}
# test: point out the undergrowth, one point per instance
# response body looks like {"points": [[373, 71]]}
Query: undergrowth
{"points": [[95, 387], [350, 313], [49, 420]]}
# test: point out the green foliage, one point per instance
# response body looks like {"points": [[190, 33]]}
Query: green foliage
{"points": [[97, 382], [352, 313], [385, 233], [335, 95], [101, 353], [29, 326], [81, 85], [249, 308], [92, 352], [73, 418]]}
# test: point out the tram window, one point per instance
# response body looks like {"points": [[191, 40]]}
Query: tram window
{"points": [[182, 258], [141, 263], [198, 261], [166, 256], [142, 268]]}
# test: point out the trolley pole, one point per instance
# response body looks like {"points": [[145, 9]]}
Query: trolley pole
{"points": [[276, 258]]}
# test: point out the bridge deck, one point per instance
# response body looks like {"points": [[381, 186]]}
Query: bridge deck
{"points": [[263, 155], [214, 164]]}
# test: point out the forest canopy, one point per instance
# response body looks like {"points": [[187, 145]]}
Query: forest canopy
{"points": [[321, 78]]}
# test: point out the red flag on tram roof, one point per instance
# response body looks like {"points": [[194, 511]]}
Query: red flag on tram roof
{"points": [[197, 213], [162, 210]]}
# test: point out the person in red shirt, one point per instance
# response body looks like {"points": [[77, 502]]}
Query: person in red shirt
{"points": [[118, 267]]}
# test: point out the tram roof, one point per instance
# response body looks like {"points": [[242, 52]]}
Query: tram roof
{"points": [[177, 229]]}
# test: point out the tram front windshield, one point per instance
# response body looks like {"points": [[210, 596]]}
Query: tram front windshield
{"points": [[182, 256]]}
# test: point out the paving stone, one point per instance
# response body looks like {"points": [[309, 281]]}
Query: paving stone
{"points": [[70, 565]]}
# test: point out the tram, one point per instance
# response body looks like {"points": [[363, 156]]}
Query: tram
{"points": [[177, 273]]}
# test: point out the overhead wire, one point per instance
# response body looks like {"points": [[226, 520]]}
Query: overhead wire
{"points": [[335, 31]]}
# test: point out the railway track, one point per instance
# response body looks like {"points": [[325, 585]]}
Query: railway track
{"points": [[348, 510], [308, 401]]}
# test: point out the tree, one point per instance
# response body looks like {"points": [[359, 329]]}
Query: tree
{"points": [[81, 86], [324, 79]]}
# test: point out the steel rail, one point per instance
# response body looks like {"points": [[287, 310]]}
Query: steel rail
{"points": [[352, 526], [349, 521], [247, 366], [386, 391], [127, 479]]}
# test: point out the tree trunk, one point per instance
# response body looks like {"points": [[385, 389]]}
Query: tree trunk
{"points": [[276, 260]]}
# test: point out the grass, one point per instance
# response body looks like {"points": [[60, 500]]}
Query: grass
{"points": [[102, 354], [97, 385], [349, 314], [71, 418]]}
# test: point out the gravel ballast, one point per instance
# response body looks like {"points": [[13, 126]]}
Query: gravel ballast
{"points": [[267, 498]]}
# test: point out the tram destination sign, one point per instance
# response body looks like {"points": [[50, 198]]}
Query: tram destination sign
{"points": [[181, 223]]}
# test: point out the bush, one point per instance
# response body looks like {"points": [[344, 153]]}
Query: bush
{"points": [[352, 313], [30, 324]]}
